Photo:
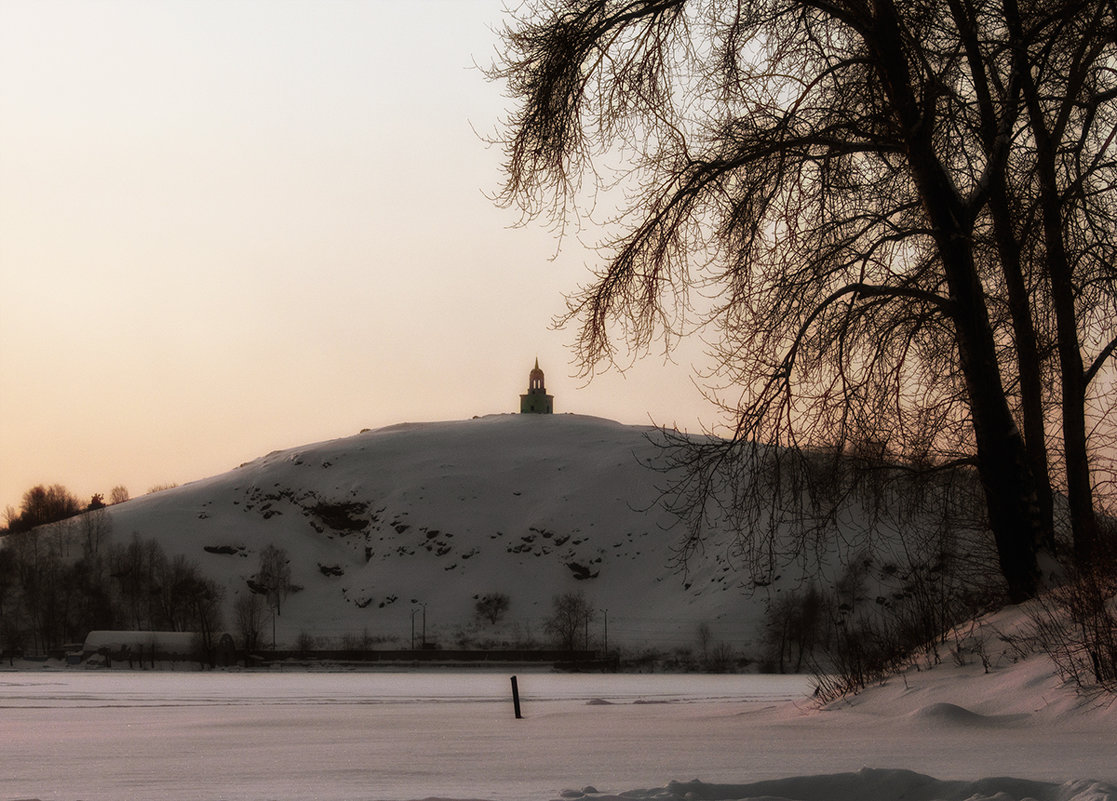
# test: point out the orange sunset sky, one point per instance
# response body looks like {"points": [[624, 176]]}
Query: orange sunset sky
{"points": [[234, 226]]}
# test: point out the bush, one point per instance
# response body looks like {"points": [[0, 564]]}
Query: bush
{"points": [[793, 628], [860, 653], [305, 642], [852, 637], [1076, 625]]}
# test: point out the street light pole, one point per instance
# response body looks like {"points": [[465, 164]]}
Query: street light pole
{"points": [[416, 610]]}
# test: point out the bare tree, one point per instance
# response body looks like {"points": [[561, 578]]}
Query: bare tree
{"points": [[137, 568], [248, 610], [119, 494], [203, 598], [274, 577], [96, 527], [491, 607], [881, 215], [570, 616]]}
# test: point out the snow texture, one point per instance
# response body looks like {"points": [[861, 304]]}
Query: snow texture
{"points": [[948, 732], [439, 514], [531, 506]]}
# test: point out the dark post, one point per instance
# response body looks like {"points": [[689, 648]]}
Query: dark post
{"points": [[516, 698]]}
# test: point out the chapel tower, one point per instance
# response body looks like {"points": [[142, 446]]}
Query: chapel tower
{"points": [[536, 401]]}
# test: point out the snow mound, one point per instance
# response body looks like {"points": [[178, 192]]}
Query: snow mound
{"points": [[953, 715], [869, 785]]}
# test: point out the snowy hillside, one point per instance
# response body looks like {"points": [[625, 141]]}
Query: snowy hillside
{"points": [[380, 524]]}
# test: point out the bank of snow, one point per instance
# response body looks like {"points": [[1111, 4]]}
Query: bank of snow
{"points": [[868, 784], [988, 718]]}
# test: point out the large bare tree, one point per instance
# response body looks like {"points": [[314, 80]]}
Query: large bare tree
{"points": [[893, 220]]}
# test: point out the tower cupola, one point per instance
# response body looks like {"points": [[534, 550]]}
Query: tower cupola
{"points": [[536, 401]]}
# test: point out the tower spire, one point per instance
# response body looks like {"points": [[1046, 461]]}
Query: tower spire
{"points": [[536, 401]]}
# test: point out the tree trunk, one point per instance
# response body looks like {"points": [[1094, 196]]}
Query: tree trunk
{"points": [[1080, 496], [1027, 354], [1002, 458], [996, 121]]}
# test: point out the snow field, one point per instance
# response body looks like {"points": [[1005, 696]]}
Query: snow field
{"points": [[372, 736]]}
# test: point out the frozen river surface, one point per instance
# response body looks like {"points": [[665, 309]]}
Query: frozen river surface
{"points": [[111, 736], [369, 735]]}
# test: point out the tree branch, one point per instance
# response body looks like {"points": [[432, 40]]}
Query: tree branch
{"points": [[859, 290], [1096, 365]]}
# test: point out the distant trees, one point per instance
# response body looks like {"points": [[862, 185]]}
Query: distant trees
{"points": [[714, 656], [895, 221], [491, 607], [9, 588], [273, 576], [203, 605], [248, 615], [273, 581], [42, 505], [60, 580], [96, 528], [160, 593], [570, 617], [50, 590], [794, 626]]}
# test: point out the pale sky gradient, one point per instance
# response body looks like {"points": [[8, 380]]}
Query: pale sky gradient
{"points": [[233, 226]]}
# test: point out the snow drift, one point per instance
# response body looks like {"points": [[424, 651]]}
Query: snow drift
{"points": [[874, 784]]}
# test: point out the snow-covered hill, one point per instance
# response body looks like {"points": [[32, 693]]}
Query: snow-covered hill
{"points": [[380, 525]]}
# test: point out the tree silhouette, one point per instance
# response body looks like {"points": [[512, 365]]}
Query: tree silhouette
{"points": [[570, 615], [893, 221]]}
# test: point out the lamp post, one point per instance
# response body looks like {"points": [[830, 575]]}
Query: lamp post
{"points": [[420, 608]]}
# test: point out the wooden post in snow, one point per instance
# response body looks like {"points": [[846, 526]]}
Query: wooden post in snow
{"points": [[516, 698]]}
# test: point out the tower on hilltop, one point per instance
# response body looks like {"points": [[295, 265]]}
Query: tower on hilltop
{"points": [[536, 401]]}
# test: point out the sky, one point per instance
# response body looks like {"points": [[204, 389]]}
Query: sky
{"points": [[234, 226]]}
